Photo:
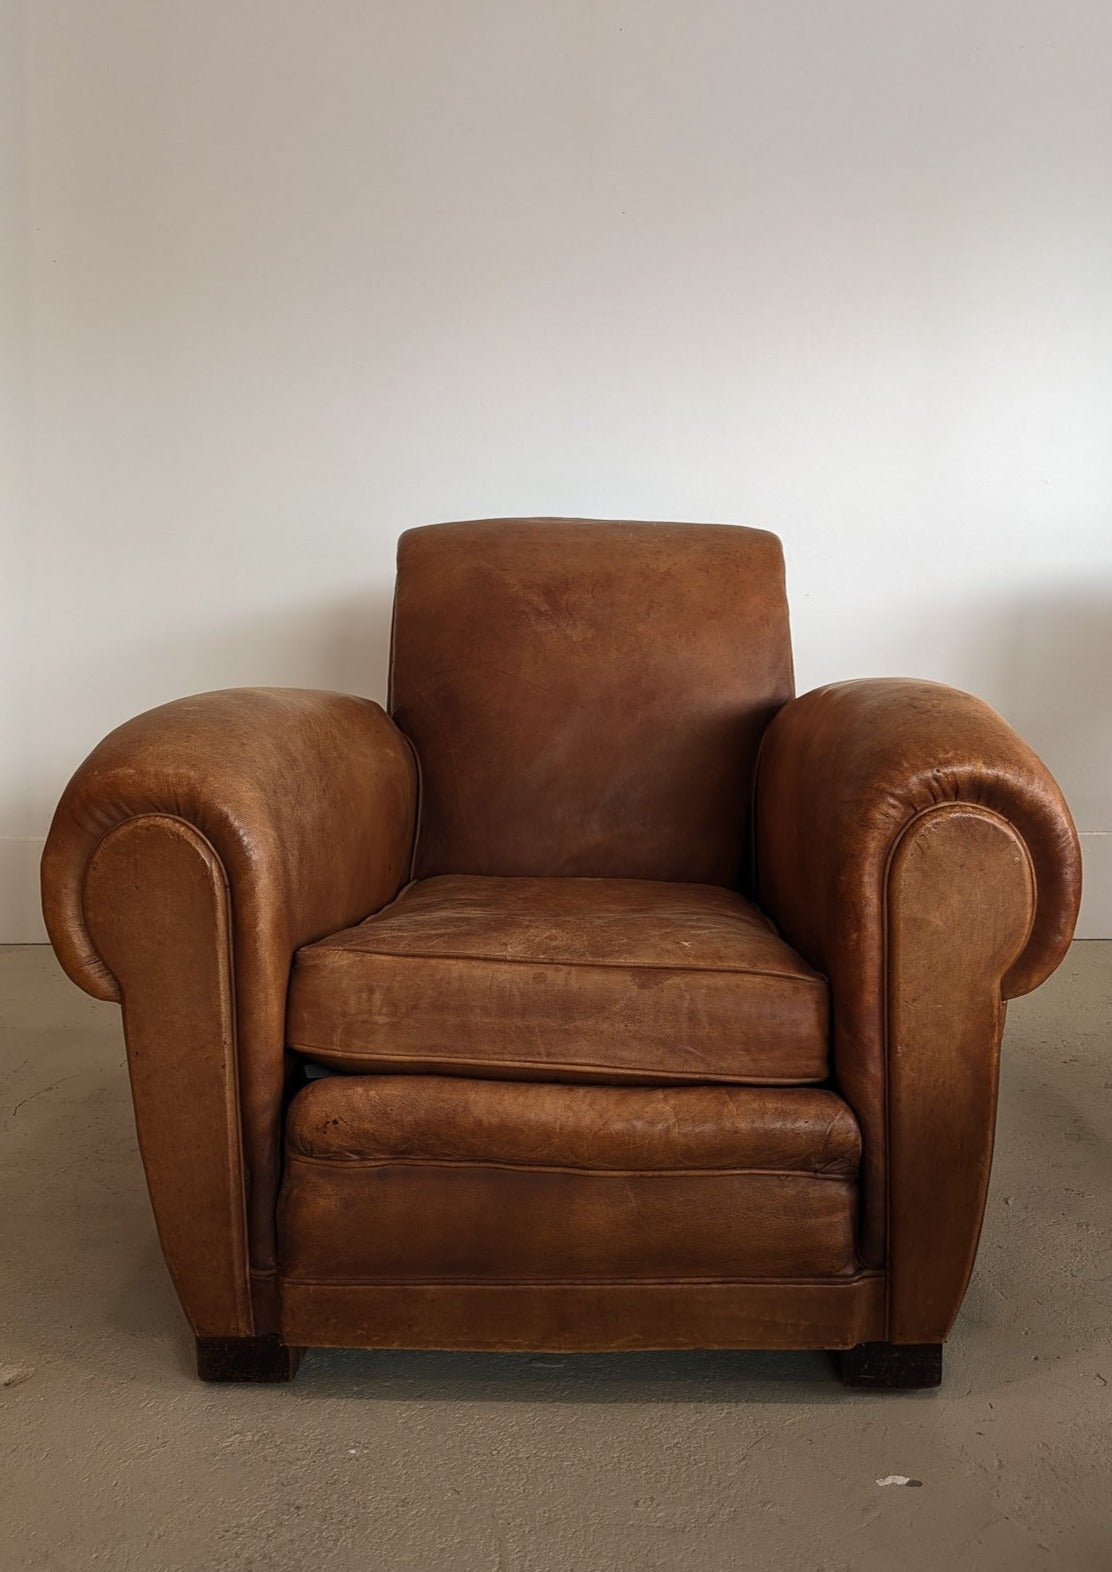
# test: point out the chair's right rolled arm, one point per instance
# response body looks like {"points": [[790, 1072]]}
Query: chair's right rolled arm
{"points": [[843, 772], [911, 846]]}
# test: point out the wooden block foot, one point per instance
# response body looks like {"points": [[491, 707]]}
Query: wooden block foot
{"points": [[894, 1367], [259, 1359]]}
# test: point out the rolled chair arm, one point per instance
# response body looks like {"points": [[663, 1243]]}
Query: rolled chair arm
{"points": [[307, 798], [911, 846], [193, 852], [844, 770]]}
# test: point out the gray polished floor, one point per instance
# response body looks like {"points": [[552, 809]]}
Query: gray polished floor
{"points": [[112, 1455]]}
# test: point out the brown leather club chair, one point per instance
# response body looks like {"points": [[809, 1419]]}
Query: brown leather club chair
{"points": [[663, 1009]]}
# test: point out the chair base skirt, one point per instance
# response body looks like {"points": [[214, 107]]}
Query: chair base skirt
{"points": [[585, 1317], [893, 1367], [582, 1318], [255, 1359]]}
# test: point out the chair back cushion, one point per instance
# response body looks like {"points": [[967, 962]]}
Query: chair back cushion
{"points": [[587, 697]]}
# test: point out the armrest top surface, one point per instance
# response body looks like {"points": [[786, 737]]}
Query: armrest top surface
{"points": [[845, 768], [308, 798]]}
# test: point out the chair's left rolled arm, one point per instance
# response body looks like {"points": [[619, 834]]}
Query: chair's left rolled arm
{"points": [[193, 852], [308, 798]]}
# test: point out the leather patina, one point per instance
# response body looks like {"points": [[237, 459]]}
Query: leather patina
{"points": [[564, 979], [663, 1008], [845, 771], [588, 698], [307, 802]]}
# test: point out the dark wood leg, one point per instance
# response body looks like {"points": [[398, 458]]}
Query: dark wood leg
{"points": [[894, 1367], [246, 1359]]}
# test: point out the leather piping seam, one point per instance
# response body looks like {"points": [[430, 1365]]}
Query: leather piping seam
{"points": [[357, 1164], [814, 979], [978, 810], [144, 818], [849, 1280], [457, 1064], [239, 1152], [379, 911]]}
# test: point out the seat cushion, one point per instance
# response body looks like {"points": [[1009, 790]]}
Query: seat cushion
{"points": [[563, 979], [394, 1178]]}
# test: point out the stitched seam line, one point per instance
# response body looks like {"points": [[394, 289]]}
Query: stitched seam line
{"points": [[357, 1163], [950, 806], [678, 1284], [956, 805], [236, 1131]]}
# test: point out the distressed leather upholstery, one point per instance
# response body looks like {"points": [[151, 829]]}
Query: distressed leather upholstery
{"points": [[855, 779], [564, 980], [666, 1007], [304, 805], [588, 700], [393, 1177]]}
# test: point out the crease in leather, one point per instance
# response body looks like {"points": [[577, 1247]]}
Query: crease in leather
{"points": [[591, 1127], [808, 978], [399, 1161]]}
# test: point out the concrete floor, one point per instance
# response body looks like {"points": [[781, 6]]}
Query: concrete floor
{"points": [[112, 1455]]}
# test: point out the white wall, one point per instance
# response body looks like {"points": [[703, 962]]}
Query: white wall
{"points": [[292, 277], [18, 845]]}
